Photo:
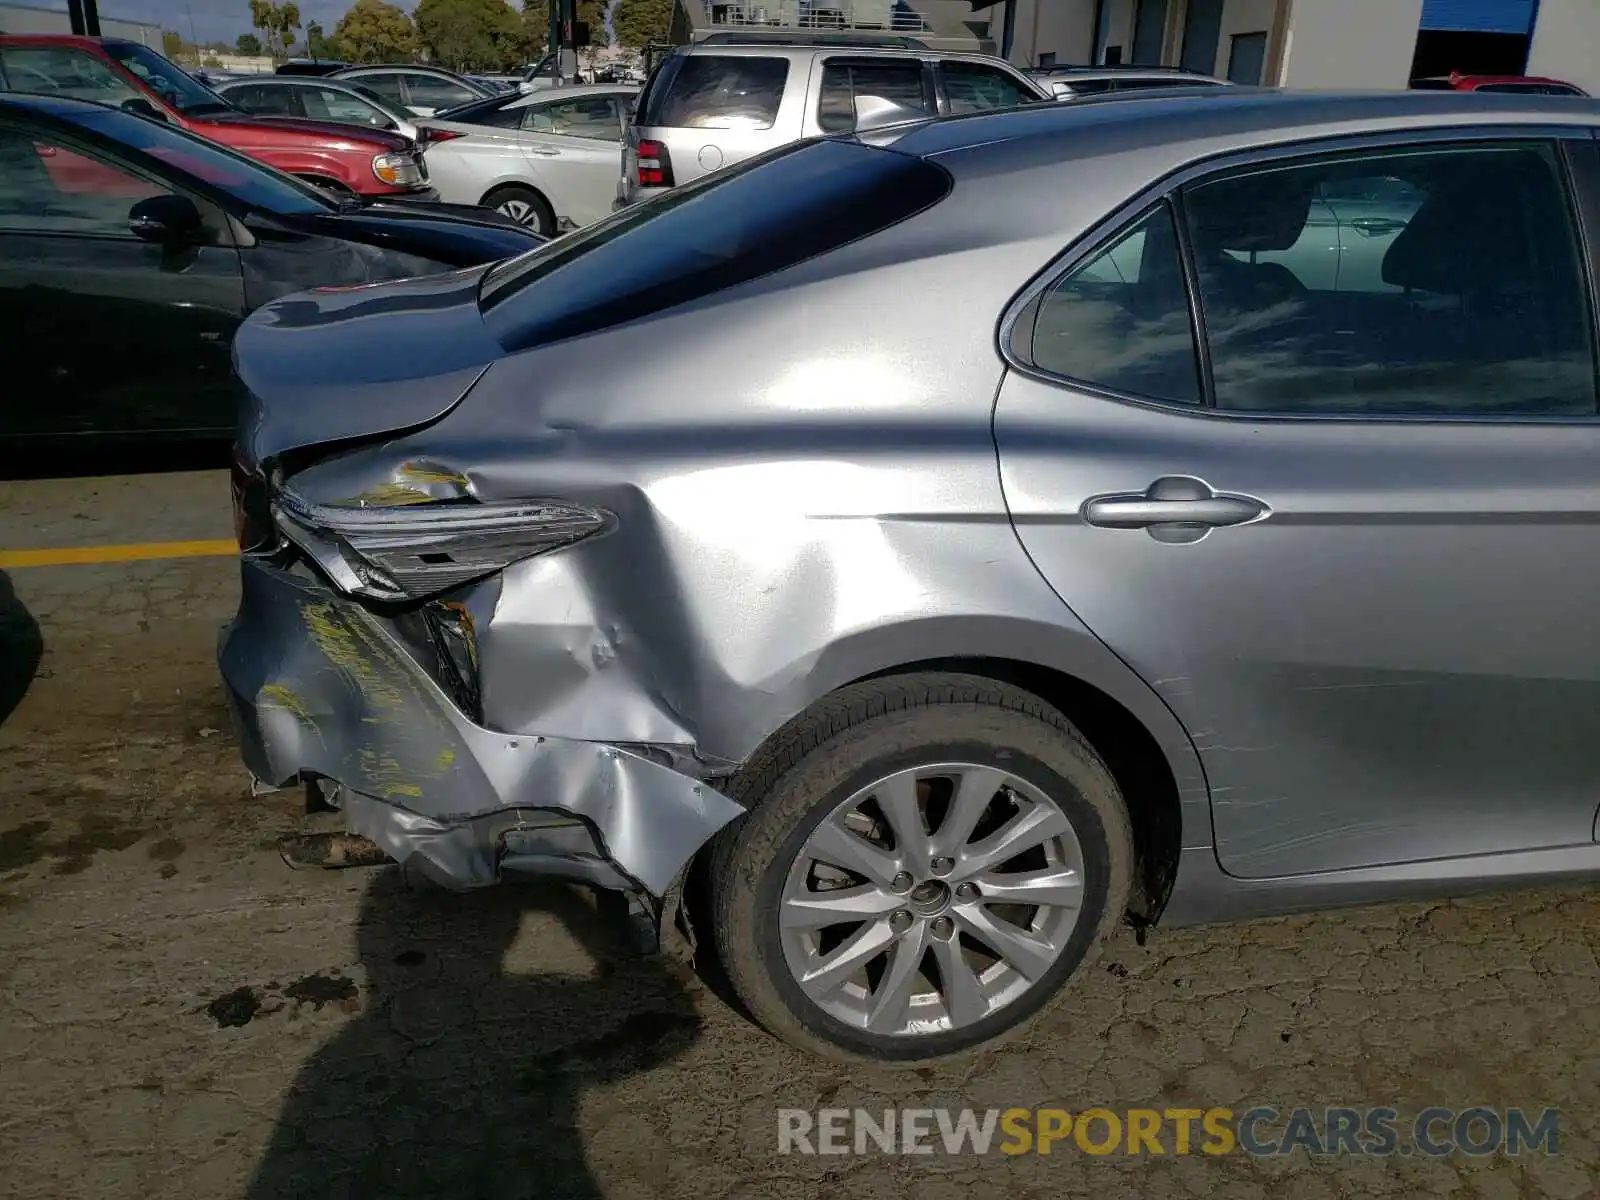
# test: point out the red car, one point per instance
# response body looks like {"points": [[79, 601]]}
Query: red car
{"points": [[1524, 84], [368, 162]]}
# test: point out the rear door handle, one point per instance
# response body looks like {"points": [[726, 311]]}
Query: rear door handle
{"points": [[1373, 226], [1175, 509]]}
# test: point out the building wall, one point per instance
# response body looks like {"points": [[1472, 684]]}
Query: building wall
{"points": [[1243, 16], [1355, 44], [1064, 28], [1566, 43], [23, 18]]}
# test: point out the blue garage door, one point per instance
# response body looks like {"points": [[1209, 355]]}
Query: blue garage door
{"points": [[1479, 16]]}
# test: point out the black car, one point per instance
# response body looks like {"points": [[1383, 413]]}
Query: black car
{"points": [[131, 250]]}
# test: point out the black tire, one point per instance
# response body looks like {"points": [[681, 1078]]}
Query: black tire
{"points": [[535, 212], [842, 744]]}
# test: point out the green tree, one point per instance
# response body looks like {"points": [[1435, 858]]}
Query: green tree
{"points": [[172, 44], [277, 21], [535, 29], [374, 31], [471, 35], [593, 13], [640, 22], [318, 44], [248, 45]]}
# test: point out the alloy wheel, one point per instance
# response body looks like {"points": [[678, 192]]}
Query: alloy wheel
{"points": [[930, 899]]}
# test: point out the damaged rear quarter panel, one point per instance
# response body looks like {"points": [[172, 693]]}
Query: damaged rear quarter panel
{"points": [[788, 520]]}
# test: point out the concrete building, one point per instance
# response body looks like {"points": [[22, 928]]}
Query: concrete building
{"points": [[28, 18], [1307, 43]]}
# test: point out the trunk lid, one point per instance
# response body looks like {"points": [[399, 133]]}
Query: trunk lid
{"points": [[336, 365]]}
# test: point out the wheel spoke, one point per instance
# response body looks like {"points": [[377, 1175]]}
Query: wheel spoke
{"points": [[963, 994], [897, 797], [1059, 887], [860, 948], [975, 788], [818, 910], [835, 845], [892, 1000], [1029, 828], [1027, 954]]}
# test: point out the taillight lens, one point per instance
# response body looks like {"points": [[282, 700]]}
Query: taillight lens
{"points": [[432, 137], [416, 550], [655, 164]]}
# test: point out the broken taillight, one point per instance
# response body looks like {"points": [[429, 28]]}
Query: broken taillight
{"points": [[429, 136], [412, 551], [655, 164]]}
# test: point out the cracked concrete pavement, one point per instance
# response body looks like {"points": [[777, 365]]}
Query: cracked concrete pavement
{"points": [[180, 1015]]}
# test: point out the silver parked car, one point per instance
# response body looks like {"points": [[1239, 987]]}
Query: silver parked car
{"points": [[546, 159], [714, 103], [421, 91], [344, 102], [949, 540]]}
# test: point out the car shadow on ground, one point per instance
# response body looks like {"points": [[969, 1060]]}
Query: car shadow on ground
{"points": [[21, 648], [462, 1075]]}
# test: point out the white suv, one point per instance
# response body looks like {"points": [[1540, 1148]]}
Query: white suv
{"points": [[713, 103]]}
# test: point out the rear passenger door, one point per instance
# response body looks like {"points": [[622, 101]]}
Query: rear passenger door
{"points": [[1352, 534], [854, 84], [572, 147]]}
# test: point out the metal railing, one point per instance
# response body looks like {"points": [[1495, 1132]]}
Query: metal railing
{"points": [[890, 16]]}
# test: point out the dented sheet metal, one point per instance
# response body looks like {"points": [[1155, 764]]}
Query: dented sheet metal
{"points": [[318, 686]]}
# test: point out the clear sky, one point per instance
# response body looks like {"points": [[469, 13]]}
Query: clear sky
{"points": [[214, 20]]}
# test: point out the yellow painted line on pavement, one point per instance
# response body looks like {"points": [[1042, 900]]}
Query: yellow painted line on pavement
{"points": [[61, 556]]}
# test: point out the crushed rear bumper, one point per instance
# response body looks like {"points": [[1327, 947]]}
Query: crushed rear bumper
{"points": [[320, 689]]}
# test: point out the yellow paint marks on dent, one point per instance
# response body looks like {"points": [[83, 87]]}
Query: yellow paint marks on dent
{"points": [[389, 495], [65, 556], [345, 649], [444, 759], [286, 698]]}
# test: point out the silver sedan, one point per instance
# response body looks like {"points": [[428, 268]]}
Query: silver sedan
{"points": [[950, 542]]}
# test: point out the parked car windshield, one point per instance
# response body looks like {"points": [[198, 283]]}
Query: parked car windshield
{"points": [[168, 80], [252, 182], [724, 229]]}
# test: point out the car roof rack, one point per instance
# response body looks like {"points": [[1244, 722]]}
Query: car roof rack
{"points": [[807, 37], [1112, 68]]}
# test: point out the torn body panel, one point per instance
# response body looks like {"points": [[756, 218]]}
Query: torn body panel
{"points": [[319, 686]]}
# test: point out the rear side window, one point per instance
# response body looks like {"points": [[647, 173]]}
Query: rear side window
{"points": [[386, 85], [1121, 320], [973, 87], [718, 91], [1458, 287], [896, 81], [727, 228], [58, 71], [264, 99]]}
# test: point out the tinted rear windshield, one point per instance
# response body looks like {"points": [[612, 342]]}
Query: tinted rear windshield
{"points": [[717, 91], [724, 229]]}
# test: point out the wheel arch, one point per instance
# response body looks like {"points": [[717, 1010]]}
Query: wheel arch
{"points": [[513, 182], [1133, 754]]}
